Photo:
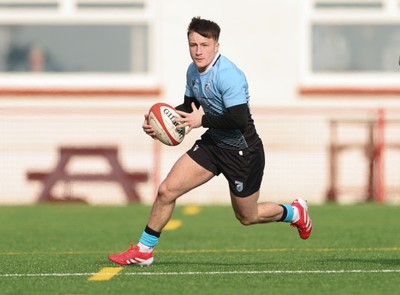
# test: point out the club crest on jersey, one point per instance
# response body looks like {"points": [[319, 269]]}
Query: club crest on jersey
{"points": [[239, 185]]}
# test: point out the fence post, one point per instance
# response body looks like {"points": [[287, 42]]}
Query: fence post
{"points": [[380, 164]]}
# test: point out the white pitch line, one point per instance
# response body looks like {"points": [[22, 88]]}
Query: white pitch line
{"points": [[266, 272], [209, 273]]}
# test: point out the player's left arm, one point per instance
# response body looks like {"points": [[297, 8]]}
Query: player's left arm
{"points": [[234, 118]]}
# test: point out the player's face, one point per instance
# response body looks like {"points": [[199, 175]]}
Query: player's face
{"points": [[202, 50]]}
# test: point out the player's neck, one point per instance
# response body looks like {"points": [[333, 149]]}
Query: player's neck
{"points": [[217, 55]]}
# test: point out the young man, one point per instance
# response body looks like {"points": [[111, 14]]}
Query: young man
{"points": [[216, 98]]}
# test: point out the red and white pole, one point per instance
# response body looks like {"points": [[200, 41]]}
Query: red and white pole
{"points": [[380, 160]]}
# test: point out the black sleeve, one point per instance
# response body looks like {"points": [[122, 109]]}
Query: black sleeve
{"points": [[235, 118], [187, 104]]}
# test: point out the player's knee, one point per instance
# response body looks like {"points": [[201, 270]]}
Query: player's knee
{"points": [[245, 220], [165, 194]]}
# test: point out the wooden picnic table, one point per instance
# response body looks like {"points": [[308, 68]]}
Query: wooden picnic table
{"points": [[127, 180]]}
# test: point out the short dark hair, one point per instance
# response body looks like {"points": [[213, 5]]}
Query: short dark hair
{"points": [[204, 27]]}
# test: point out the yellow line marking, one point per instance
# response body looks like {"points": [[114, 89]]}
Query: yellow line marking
{"points": [[173, 224], [105, 274], [191, 210]]}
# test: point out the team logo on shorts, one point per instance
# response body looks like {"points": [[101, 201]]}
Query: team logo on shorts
{"points": [[239, 185]]}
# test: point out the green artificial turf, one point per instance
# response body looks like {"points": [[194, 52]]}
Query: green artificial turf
{"points": [[55, 249]]}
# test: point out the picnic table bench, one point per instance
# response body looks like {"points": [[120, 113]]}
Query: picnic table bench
{"points": [[127, 180]]}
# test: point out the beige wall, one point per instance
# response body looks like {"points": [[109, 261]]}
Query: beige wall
{"points": [[296, 143], [263, 37]]}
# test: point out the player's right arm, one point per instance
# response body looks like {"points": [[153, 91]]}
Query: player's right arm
{"points": [[186, 106]]}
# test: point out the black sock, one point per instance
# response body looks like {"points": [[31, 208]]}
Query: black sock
{"points": [[152, 232]]}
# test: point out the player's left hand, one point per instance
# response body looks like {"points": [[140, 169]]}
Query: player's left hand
{"points": [[190, 120]]}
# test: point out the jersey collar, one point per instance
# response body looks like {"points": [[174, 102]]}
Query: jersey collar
{"points": [[217, 56]]}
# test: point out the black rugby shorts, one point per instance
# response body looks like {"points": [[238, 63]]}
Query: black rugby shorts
{"points": [[244, 169]]}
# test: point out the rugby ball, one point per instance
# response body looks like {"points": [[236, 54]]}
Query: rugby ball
{"points": [[161, 118]]}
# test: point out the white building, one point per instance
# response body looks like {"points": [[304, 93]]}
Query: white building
{"points": [[83, 72]]}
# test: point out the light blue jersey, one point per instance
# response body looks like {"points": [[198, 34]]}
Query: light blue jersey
{"points": [[221, 86]]}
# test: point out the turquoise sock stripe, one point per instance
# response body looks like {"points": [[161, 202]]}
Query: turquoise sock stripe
{"points": [[290, 213], [148, 240]]}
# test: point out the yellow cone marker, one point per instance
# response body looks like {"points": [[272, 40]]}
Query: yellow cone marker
{"points": [[191, 210], [105, 274], [173, 224]]}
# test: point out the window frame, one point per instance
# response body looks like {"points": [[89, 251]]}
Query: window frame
{"points": [[66, 13], [351, 83]]}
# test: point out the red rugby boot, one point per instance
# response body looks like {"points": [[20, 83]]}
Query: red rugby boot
{"points": [[132, 256], [304, 224]]}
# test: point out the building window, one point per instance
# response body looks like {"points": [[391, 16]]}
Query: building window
{"points": [[355, 47], [87, 40], [75, 48], [351, 43]]}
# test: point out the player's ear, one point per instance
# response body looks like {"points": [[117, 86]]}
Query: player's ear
{"points": [[216, 47]]}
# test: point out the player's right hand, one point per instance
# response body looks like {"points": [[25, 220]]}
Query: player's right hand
{"points": [[147, 127]]}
